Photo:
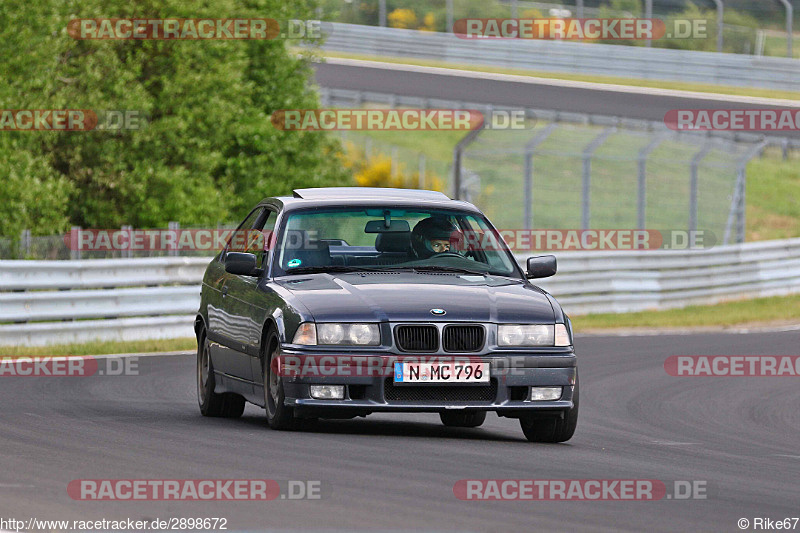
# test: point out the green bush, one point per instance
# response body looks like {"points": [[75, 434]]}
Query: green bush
{"points": [[208, 151]]}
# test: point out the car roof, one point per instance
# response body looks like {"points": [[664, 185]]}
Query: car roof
{"points": [[366, 196], [368, 192]]}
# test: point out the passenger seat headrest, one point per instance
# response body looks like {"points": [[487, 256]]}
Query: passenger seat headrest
{"points": [[395, 242]]}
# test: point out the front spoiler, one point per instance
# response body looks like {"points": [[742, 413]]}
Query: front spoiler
{"points": [[366, 393], [505, 408]]}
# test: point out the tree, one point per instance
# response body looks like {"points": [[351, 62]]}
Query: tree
{"points": [[208, 150]]}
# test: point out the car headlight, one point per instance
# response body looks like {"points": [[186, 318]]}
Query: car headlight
{"points": [[306, 334], [532, 335], [525, 335], [338, 334], [562, 337]]}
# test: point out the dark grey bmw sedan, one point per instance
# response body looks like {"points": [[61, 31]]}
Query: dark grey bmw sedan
{"points": [[351, 301]]}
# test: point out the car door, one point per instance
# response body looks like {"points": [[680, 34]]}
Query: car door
{"points": [[264, 301], [245, 304], [227, 326]]}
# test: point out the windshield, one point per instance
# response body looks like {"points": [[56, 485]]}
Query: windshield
{"points": [[352, 239]]}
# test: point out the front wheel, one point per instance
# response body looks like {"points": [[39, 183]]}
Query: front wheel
{"points": [[463, 419], [212, 404], [279, 416], [552, 429]]}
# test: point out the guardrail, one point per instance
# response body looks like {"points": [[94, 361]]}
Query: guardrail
{"points": [[57, 302], [571, 57], [620, 282], [96, 273], [62, 302]]}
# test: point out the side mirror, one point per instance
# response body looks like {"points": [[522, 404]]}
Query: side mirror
{"points": [[242, 264], [542, 266]]}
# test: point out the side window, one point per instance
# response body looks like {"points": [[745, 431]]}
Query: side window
{"points": [[266, 225], [236, 239]]}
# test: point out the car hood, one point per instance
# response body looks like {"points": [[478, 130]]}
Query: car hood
{"points": [[409, 296]]}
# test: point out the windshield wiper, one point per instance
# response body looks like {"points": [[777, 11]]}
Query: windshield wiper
{"points": [[439, 268], [333, 269], [320, 269], [459, 270], [341, 269]]}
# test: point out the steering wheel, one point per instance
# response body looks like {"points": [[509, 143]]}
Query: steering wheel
{"points": [[446, 254]]}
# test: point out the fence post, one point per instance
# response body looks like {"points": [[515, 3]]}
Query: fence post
{"points": [[173, 228], [394, 171], [789, 36], [742, 212], [458, 152], [737, 203], [648, 14], [127, 253], [720, 24], [698, 157], [641, 202], [528, 187], [588, 153], [449, 21], [382, 13], [25, 244], [421, 182], [75, 242]]}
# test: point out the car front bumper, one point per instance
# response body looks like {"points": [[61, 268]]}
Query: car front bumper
{"points": [[507, 393]]}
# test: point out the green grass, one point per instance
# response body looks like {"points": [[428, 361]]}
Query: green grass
{"points": [[759, 311], [102, 348], [657, 84], [773, 197], [775, 45]]}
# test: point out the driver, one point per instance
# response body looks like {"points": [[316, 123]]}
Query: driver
{"points": [[435, 235]]}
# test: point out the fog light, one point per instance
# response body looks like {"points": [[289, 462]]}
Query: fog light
{"points": [[328, 392], [540, 394]]}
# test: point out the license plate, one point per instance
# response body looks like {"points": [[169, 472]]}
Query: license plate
{"points": [[455, 372]]}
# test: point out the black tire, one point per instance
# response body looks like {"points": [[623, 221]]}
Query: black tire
{"points": [[213, 404], [463, 419], [279, 416], [552, 429]]}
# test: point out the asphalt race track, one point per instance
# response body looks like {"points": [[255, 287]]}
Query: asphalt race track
{"points": [[741, 435], [545, 95]]}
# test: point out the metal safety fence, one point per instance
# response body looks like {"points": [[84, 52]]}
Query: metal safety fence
{"points": [[579, 171], [719, 34], [83, 243], [569, 57]]}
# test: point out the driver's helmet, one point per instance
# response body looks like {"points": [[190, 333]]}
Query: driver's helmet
{"points": [[435, 235]]}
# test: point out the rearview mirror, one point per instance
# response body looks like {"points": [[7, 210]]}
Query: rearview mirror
{"points": [[542, 266], [242, 264], [395, 226]]}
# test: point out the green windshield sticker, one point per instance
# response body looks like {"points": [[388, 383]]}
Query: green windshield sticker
{"points": [[294, 263]]}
